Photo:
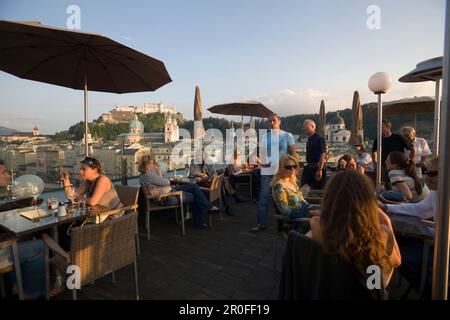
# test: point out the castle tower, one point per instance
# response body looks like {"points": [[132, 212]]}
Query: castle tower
{"points": [[36, 131]]}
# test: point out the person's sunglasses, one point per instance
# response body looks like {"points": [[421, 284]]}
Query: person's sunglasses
{"points": [[290, 167], [432, 173]]}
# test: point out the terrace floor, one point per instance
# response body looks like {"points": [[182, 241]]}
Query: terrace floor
{"points": [[226, 262]]}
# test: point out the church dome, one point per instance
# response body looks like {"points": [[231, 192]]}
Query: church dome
{"points": [[338, 120], [135, 123]]}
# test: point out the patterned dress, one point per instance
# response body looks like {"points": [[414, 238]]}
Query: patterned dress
{"points": [[289, 202]]}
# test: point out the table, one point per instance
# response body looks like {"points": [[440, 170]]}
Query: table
{"points": [[187, 180], [411, 226], [12, 221], [249, 174]]}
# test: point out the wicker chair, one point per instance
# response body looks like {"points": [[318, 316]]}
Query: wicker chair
{"points": [[214, 193], [97, 249], [151, 204], [6, 242], [129, 198]]}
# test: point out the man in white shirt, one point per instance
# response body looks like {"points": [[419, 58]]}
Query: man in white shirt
{"points": [[421, 147]]}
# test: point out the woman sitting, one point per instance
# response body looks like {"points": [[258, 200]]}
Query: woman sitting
{"points": [[352, 227], [285, 191], [152, 178], [402, 177], [96, 187]]}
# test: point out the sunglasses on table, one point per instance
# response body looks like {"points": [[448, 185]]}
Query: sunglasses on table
{"points": [[291, 167]]}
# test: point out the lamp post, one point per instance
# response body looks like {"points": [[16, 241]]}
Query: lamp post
{"points": [[379, 83]]}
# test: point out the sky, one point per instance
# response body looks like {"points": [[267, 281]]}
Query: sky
{"points": [[288, 54]]}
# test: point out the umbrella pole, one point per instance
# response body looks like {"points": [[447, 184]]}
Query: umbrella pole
{"points": [[242, 122], [379, 139], [441, 241], [86, 146], [437, 117]]}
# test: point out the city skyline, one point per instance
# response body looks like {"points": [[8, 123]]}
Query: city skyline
{"points": [[288, 55]]}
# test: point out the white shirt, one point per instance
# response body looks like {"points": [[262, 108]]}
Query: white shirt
{"points": [[365, 161], [423, 209], [422, 149]]}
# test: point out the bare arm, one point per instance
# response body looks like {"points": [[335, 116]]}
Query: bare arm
{"points": [[403, 187], [315, 228], [320, 166]]}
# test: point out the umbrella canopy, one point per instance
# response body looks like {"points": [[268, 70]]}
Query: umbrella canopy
{"points": [[245, 108], [356, 137], [407, 106], [427, 70], [322, 119], [76, 60], [430, 70]]}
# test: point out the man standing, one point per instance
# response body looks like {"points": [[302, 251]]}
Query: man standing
{"points": [[314, 171], [420, 146], [390, 142], [274, 144]]}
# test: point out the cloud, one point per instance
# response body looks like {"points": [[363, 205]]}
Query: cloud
{"points": [[289, 102]]}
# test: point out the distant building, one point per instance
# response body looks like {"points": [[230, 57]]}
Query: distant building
{"points": [[136, 132], [24, 136], [125, 114], [336, 131]]}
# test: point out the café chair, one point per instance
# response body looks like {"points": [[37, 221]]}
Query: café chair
{"points": [[97, 250], [214, 193], [9, 242], [152, 204], [283, 226], [310, 274], [129, 198]]}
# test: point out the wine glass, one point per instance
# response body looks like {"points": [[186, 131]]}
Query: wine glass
{"points": [[73, 196], [34, 192]]}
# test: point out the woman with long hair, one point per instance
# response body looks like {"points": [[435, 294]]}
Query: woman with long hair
{"points": [[352, 227], [403, 178], [285, 191]]}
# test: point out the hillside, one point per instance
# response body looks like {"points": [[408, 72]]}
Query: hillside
{"points": [[154, 122], [4, 130]]}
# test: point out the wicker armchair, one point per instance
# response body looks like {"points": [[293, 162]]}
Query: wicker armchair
{"points": [[97, 249], [151, 204], [7, 241], [214, 192], [129, 198]]}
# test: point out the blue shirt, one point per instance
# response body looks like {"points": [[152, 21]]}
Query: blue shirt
{"points": [[284, 139], [314, 148]]}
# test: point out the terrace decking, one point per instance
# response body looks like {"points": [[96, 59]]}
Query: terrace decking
{"points": [[224, 262]]}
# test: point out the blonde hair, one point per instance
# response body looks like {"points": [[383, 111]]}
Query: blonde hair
{"points": [[281, 165]]}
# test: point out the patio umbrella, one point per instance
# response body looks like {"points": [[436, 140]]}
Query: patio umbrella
{"points": [[356, 138], [322, 119], [198, 116], [407, 106], [76, 60], [244, 108], [429, 70]]}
